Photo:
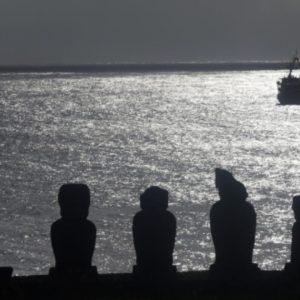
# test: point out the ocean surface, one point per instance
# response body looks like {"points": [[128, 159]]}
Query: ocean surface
{"points": [[121, 133]]}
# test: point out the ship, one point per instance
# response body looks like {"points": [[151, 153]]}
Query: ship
{"points": [[289, 86]]}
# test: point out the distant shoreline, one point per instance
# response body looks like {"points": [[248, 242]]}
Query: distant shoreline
{"points": [[166, 67]]}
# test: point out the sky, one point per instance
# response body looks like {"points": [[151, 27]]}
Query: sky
{"points": [[36, 32]]}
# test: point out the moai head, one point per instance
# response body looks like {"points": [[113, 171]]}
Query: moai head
{"points": [[154, 197], [74, 200], [229, 188]]}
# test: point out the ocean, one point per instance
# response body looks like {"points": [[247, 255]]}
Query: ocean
{"points": [[122, 132]]}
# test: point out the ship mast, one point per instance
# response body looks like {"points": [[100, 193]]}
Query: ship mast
{"points": [[294, 63]]}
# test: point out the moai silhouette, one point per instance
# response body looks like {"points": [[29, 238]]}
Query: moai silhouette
{"points": [[154, 231], [73, 235], [233, 225]]}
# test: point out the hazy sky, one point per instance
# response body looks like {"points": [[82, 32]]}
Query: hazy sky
{"points": [[99, 31]]}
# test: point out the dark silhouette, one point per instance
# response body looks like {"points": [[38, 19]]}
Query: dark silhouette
{"points": [[294, 265], [73, 236], [233, 223], [295, 251], [5, 273], [154, 231]]}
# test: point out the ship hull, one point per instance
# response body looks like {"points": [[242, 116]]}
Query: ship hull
{"points": [[289, 90], [289, 98]]}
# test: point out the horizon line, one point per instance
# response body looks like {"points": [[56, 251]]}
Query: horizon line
{"points": [[144, 67]]}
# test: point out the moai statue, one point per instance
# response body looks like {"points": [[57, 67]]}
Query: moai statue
{"points": [[233, 224], [73, 235], [154, 231]]}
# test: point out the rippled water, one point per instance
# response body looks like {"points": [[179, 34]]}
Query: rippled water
{"points": [[120, 133]]}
